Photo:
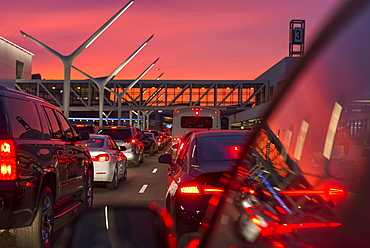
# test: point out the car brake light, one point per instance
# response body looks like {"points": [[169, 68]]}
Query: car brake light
{"points": [[200, 190], [190, 190], [133, 141], [79, 125], [101, 158], [114, 127], [8, 168], [211, 190], [256, 221]]}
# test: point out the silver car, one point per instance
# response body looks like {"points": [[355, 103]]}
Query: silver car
{"points": [[110, 164]]}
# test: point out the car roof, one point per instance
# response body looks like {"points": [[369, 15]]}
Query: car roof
{"points": [[117, 127], [213, 132], [99, 136]]}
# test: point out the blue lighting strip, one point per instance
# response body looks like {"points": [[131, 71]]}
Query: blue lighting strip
{"points": [[273, 192]]}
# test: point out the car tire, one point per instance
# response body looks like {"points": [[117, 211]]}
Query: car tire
{"points": [[114, 184], [124, 178], [39, 233], [88, 192], [152, 150], [141, 158]]}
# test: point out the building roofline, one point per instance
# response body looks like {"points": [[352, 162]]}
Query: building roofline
{"points": [[15, 45]]}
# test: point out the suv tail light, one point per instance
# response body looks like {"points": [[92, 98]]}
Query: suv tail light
{"points": [[101, 158], [199, 190], [8, 168]]}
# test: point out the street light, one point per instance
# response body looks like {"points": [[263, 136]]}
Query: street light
{"points": [[102, 83], [68, 60], [120, 95]]}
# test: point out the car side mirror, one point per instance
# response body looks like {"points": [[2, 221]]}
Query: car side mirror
{"points": [[84, 135], [123, 227], [123, 148], [175, 146], [165, 159]]}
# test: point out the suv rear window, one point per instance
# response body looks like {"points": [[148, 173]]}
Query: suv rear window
{"points": [[118, 134], [22, 119]]}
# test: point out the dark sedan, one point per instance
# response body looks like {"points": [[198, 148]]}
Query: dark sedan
{"points": [[195, 172]]}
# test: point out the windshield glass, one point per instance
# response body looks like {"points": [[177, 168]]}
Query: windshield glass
{"points": [[94, 143], [150, 135], [117, 134], [307, 169], [89, 129], [218, 148], [196, 122]]}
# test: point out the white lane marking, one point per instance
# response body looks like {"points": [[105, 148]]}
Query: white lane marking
{"points": [[155, 170], [142, 190]]}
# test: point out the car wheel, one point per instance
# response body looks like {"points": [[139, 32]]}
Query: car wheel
{"points": [[113, 185], [124, 178], [151, 150], [40, 232], [87, 196], [141, 159]]}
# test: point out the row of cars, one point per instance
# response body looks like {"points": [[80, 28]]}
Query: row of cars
{"points": [[114, 148]]}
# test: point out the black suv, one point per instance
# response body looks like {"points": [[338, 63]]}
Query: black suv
{"points": [[129, 137], [45, 172]]}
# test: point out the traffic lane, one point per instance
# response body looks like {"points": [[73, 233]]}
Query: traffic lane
{"points": [[145, 184]]}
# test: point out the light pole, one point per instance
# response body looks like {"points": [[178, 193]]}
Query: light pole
{"points": [[67, 60], [102, 83], [120, 95]]}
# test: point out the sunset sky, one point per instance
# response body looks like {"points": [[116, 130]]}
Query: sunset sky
{"points": [[195, 39]]}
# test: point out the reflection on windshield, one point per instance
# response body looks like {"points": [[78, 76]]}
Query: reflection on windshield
{"points": [[300, 184]]}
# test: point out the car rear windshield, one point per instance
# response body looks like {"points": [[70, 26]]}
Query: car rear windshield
{"points": [[94, 143], [150, 135], [156, 133], [219, 148], [117, 134], [89, 129], [196, 122]]}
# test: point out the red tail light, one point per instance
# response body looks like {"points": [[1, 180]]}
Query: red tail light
{"points": [[80, 125], [8, 166], [199, 190], [101, 158], [133, 141]]}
